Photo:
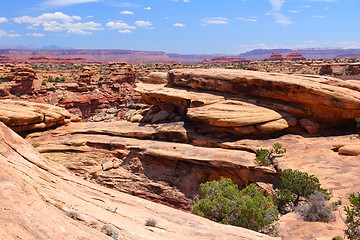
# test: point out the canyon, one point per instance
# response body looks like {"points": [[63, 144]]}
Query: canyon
{"points": [[99, 140]]}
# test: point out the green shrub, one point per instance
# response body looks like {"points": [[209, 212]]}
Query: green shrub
{"points": [[352, 220], [316, 209], [296, 186], [222, 202], [265, 157]]}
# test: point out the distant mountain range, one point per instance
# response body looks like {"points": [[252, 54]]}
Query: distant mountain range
{"points": [[131, 56]]}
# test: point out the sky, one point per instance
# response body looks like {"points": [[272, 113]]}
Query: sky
{"points": [[181, 26]]}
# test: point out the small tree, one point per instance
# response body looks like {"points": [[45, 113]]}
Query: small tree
{"points": [[222, 202], [296, 186], [265, 157], [352, 220]]}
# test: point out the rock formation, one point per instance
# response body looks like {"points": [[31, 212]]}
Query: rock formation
{"points": [[294, 56], [42, 200], [248, 102], [20, 78], [22, 116], [275, 56]]}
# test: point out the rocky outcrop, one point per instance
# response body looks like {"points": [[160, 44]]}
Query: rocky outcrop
{"points": [[63, 206], [22, 116], [147, 160], [321, 98], [294, 56], [20, 78], [275, 56]]}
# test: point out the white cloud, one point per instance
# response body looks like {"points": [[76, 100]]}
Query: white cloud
{"points": [[179, 25], [215, 20], [59, 3], [147, 8], [126, 12], [248, 19], [3, 20], [35, 34], [119, 25], [318, 16], [47, 18], [186, 1], [142, 23], [294, 11], [276, 6], [6, 34], [125, 31], [78, 31], [58, 22], [348, 44]]}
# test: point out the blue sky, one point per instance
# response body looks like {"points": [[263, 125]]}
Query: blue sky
{"points": [[181, 26]]}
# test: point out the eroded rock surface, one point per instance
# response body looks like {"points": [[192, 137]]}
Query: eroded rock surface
{"points": [[322, 98], [22, 116], [42, 200], [151, 161]]}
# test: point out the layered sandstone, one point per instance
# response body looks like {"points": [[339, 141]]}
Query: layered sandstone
{"points": [[22, 116], [42, 200], [321, 98]]}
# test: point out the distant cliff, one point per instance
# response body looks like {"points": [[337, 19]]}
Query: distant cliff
{"points": [[260, 54]]}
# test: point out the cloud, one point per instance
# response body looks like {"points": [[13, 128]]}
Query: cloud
{"points": [[318, 16], [126, 12], [125, 31], [61, 3], [294, 11], [248, 19], [276, 6], [348, 44], [142, 23], [147, 8], [35, 34], [179, 25], [119, 25], [186, 1], [215, 20], [5, 34], [59, 22], [3, 20]]}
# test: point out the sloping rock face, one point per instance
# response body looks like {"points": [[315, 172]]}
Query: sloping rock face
{"points": [[152, 161], [22, 116], [42, 200], [321, 98]]}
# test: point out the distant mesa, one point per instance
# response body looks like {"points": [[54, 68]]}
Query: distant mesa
{"points": [[294, 56], [225, 60]]}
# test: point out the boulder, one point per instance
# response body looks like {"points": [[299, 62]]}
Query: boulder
{"points": [[24, 116], [155, 77], [309, 125]]}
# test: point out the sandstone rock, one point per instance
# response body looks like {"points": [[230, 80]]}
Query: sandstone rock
{"points": [[353, 150], [160, 116], [231, 113], [136, 118], [155, 77], [273, 126], [27, 116], [309, 125], [49, 188], [322, 98]]}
